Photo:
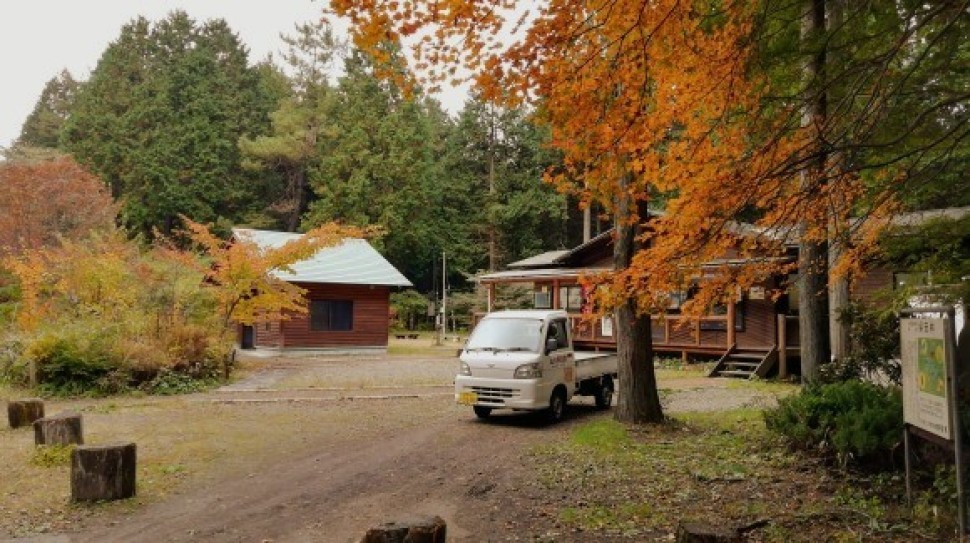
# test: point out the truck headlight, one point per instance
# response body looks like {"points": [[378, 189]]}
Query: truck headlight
{"points": [[463, 369], [528, 371]]}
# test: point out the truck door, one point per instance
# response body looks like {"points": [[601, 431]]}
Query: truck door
{"points": [[558, 350]]}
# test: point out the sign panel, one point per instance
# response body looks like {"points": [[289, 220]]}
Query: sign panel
{"points": [[927, 368], [756, 293], [606, 327]]}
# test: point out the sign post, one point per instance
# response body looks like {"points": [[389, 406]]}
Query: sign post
{"points": [[930, 391]]}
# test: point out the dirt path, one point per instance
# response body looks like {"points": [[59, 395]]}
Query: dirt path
{"points": [[437, 459]]}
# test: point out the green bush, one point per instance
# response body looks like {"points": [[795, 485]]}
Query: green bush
{"points": [[169, 383], [856, 421], [75, 360], [874, 346], [13, 365]]}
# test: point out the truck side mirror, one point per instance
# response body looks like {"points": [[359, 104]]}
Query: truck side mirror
{"points": [[551, 345]]}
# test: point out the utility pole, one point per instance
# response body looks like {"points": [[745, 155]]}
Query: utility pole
{"points": [[492, 228], [444, 296]]}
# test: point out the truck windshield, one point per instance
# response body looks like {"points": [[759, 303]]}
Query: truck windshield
{"points": [[506, 335]]}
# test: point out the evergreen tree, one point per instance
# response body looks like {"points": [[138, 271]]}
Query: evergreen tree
{"points": [[290, 150], [42, 128], [161, 117], [503, 154]]}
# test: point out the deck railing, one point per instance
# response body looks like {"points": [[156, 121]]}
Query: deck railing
{"points": [[706, 333]]}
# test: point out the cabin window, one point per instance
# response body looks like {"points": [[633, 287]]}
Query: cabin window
{"points": [[903, 280], [331, 315], [722, 310], [676, 300], [571, 298], [543, 298], [790, 302]]}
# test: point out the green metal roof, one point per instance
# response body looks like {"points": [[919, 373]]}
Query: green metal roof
{"points": [[353, 262]]}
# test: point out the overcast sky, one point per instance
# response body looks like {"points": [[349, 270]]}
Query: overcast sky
{"points": [[39, 38]]}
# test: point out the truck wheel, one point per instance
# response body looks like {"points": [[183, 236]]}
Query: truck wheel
{"points": [[482, 412], [557, 406], [604, 394]]}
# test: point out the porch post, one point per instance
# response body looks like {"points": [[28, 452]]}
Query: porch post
{"points": [[556, 302], [782, 347], [491, 297], [731, 315]]}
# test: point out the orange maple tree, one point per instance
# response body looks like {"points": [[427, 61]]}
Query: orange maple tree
{"points": [[653, 103], [653, 100], [242, 273], [43, 200]]}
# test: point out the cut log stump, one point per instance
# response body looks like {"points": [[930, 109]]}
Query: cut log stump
{"points": [[695, 532], [103, 472], [24, 412], [60, 429], [412, 530]]}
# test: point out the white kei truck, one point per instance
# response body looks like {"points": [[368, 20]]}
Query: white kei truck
{"points": [[524, 360]]}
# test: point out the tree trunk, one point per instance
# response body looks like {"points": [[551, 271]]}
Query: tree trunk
{"points": [[838, 301], [103, 472], [24, 412], [637, 400], [813, 313], [694, 532], [416, 530], [61, 429], [839, 232]]}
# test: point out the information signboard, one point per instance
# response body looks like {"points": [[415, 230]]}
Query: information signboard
{"points": [[926, 345]]}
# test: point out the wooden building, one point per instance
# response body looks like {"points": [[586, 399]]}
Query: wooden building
{"points": [[746, 330], [752, 335], [348, 290]]}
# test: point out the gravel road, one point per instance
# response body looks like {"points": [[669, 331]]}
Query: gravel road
{"points": [[396, 445]]}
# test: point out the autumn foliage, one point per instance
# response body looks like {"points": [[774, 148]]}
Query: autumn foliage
{"points": [[653, 104], [241, 276], [103, 313], [41, 201]]}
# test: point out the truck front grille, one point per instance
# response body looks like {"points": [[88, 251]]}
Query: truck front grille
{"points": [[495, 395]]}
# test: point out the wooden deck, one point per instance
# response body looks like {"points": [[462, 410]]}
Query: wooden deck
{"points": [[692, 338]]}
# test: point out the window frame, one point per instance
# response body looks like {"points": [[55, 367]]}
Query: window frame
{"points": [[331, 307]]}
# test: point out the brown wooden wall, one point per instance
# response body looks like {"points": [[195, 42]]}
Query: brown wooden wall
{"points": [[371, 321], [866, 289], [760, 323], [268, 334]]}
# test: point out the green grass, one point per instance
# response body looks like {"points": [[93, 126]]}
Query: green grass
{"points": [[778, 388], [50, 456], [639, 482]]}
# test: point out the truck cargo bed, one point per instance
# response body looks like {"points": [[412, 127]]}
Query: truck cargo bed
{"points": [[594, 364]]}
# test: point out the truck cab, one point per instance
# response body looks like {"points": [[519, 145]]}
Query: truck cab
{"points": [[524, 360]]}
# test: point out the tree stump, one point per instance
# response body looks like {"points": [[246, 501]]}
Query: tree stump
{"points": [[412, 530], [103, 472], [60, 429], [694, 532], [24, 412]]}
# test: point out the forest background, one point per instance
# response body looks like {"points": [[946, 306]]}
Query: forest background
{"points": [[175, 120]]}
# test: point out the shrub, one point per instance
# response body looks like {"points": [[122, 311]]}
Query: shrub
{"points": [[874, 346], [69, 361], [167, 383], [855, 421], [13, 365]]}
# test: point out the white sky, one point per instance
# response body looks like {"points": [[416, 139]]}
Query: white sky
{"points": [[39, 38]]}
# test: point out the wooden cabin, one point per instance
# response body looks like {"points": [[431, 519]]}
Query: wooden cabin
{"points": [[348, 290], [749, 328], [754, 334]]}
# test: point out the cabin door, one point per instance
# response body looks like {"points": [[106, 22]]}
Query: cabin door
{"points": [[248, 337]]}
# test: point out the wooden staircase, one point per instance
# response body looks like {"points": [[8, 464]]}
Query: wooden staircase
{"points": [[746, 362]]}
